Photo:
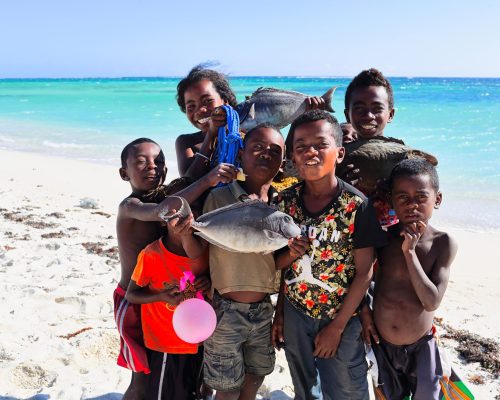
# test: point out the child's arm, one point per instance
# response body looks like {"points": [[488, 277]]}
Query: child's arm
{"points": [[194, 246], [196, 164], [430, 290], [142, 295], [286, 256], [277, 336], [328, 339], [134, 208]]}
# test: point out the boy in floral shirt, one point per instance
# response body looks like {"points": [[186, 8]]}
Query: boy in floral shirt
{"points": [[327, 271]]}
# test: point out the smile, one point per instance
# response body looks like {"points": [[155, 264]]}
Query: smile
{"points": [[204, 120]]}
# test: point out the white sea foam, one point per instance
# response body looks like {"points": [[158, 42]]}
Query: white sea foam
{"points": [[66, 145]]}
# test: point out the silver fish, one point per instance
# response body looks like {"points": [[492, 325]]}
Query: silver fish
{"points": [[275, 106], [376, 157], [247, 227]]}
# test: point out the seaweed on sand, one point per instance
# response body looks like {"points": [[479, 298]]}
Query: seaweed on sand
{"points": [[475, 348]]}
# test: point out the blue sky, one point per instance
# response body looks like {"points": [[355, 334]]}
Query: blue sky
{"points": [[111, 38]]}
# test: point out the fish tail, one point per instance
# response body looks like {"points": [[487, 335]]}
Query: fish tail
{"points": [[328, 96]]}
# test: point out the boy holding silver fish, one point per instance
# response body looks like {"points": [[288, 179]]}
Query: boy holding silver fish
{"points": [[316, 316], [240, 354], [138, 224]]}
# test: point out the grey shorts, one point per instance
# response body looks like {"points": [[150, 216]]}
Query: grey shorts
{"points": [[241, 343]]}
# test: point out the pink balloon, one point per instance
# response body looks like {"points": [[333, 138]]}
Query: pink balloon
{"points": [[194, 320]]}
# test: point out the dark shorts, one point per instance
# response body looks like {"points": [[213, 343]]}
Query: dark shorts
{"points": [[174, 376], [240, 344], [412, 369], [128, 321]]}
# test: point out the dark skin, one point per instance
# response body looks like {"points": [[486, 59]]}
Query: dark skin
{"points": [[261, 159], [179, 240], [203, 111], [413, 269], [202, 102], [138, 223], [368, 112], [315, 156]]}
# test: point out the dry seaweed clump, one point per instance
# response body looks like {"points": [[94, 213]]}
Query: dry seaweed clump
{"points": [[474, 348], [98, 248]]}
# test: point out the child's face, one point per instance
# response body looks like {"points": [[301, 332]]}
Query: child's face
{"points": [[414, 198], [369, 111], [146, 168], [315, 153], [263, 155], [201, 100], [349, 134]]}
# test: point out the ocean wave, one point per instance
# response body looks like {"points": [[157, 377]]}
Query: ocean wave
{"points": [[63, 145]]}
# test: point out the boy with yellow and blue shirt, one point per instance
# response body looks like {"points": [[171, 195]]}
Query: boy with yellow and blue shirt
{"points": [[328, 270]]}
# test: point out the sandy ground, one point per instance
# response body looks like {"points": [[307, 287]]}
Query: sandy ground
{"points": [[59, 267]]}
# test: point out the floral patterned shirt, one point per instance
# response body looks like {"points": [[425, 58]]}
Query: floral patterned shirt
{"points": [[318, 282]]}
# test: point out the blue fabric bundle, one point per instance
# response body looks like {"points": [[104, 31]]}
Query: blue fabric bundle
{"points": [[229, 144]]}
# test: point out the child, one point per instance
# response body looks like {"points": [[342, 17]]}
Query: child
{"points": [[348, 133], [369, 107], [199, 95], [369, 103], [317, 317], [410, 283], [175, 364], [239, 353], [138, 224]]}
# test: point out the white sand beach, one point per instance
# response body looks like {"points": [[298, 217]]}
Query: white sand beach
{"points": [[59, 267]]}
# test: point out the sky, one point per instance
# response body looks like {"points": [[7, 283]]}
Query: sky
{"points": [[118, 38]]}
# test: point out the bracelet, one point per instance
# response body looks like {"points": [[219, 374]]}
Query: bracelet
{"points": [[202, 155]]}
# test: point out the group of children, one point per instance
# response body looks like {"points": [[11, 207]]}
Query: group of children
{"points": [[322, 316]]}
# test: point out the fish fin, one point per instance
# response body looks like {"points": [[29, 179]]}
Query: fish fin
{"points": [[214, 242], [328, 97], [422, 154], [251, 112], [249, 203]]}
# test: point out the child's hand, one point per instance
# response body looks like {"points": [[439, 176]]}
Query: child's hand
{"points": [[369, 330], [181, 227], [351, 175], [203, 284], [170, 295], [315, 103], [411, 234], [277, 335], [327, 341], [298, 246], [223, 172], [217, 119]]}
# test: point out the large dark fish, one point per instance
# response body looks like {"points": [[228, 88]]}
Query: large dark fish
{"points": [[275, 106], [376, 157], [245, 227]]}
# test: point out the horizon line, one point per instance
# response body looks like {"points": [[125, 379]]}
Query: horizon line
{"points": [[242, 76]]}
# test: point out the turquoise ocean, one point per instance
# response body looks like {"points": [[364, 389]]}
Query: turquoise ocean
{"points": [[455, 119]]}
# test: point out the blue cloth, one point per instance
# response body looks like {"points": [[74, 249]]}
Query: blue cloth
{"points": [[228, 144], [342, 377]]}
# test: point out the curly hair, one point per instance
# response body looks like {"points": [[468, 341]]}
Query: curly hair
{"points": [[199, 73], [414, 167], [311, 116], [369, 77]]}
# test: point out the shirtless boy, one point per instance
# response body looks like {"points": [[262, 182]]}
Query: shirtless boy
{"points": [[137, 225], [410, 283]]}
